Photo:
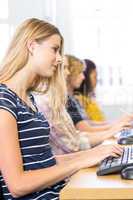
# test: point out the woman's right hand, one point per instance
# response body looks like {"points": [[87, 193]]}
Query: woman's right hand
{"points": [[93, 156], [119, 126]]}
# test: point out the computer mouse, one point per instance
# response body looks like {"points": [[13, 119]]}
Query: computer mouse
{"points": [[125, 140], [127, 172]]}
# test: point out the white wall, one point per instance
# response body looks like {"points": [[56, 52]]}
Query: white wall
{"points": [[20, 10], [63, 20], [54, 11]]}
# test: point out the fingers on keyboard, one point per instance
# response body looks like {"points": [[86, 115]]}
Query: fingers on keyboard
{"points": [[115, 155]]}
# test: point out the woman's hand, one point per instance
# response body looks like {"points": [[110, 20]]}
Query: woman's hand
{"points": [[97, 154], [120, 125]]}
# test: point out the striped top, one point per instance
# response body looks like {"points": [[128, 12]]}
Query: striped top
{"points": [[33, 133]]}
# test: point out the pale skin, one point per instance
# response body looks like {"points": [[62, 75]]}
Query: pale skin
{"points": [[97, 134], [43, 60]]}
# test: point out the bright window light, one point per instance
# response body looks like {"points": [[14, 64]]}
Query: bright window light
{"points": [[102, 31], [3, 9], [4, 38]]}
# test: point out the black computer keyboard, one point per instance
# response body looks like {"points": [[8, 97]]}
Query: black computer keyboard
{"points": [[114, 165], [126, 137]]}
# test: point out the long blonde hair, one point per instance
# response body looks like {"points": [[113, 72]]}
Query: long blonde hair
{"points": [[58, 115], [61, 122], [17, 56], [57, 94]]}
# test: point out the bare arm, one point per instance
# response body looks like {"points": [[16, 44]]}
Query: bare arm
{"points": [[95, 154], [85, 126], [95, 137], [70, 156], [99, 136], [22, 182], [98, 123]]}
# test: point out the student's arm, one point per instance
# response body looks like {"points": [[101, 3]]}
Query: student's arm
{"points": [[94, 153], [98, 137], [75, 111], [98, 123], [85, 126], [22, 182]]}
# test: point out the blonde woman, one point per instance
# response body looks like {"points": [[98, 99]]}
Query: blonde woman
{"points": [[64, 138], [28, 168]]}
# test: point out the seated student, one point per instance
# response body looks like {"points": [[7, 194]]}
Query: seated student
{"points": [[76, 110], [64, 138], [86, 92], [29, 170]]}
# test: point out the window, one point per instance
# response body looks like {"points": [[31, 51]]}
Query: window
{"points": [[102, 31], [4, 27]]}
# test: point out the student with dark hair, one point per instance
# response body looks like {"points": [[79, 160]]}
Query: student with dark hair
{"points": [[86, 92]]}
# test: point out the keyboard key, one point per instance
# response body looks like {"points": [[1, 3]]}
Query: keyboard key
{"points": [[114, 165]]}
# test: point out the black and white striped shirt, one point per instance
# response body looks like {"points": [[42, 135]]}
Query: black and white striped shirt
{"points": [[33, 133]]}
